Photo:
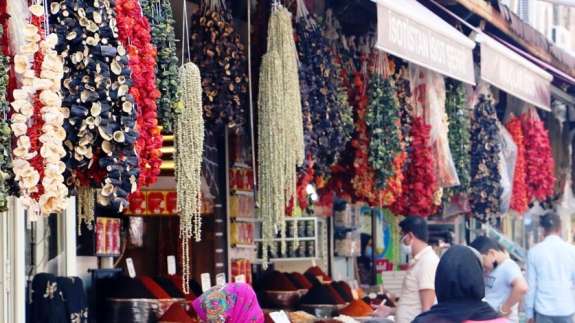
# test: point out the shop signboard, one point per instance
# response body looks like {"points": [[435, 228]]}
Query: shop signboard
{"points": [[409, 30], [514, 74]]}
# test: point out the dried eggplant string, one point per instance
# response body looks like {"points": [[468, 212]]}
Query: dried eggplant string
{"points": [[280, 128]]}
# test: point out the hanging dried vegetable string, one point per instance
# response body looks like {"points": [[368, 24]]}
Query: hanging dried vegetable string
{"points": [[485, 185], [326, 133], [86, 207], [100, 130], [37, 121], [189, 141], [383, 123], [459, 136], [539, 163], [519, 201], [161, 19], [280, 130], [6, 174], [419, 185], [135, 35], [217, 48]]}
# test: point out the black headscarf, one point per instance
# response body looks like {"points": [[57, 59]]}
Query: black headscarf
{"points": [[460, 289]]}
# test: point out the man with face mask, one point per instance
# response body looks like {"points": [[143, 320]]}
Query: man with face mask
{"points": [[505, 285], [418, 289]]}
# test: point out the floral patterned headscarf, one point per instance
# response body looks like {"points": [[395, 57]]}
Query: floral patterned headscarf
{"points": [[233, 303]]}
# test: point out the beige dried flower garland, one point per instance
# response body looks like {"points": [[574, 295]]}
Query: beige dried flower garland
{"points": [[189, 142], [280, 128]]}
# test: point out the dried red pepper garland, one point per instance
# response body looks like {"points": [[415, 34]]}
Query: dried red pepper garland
{"points": [[519, 201], [539, 163], [134, 33], [419, 185]]}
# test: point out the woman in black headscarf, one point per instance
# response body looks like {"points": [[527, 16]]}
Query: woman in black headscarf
{"points": [[460, 289]]}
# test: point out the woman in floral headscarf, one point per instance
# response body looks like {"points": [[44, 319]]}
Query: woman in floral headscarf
{"points": [[232, 303]]}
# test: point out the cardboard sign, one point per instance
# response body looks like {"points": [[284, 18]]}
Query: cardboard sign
{"points": [[206, 282], [171, 265], [220, 279]]}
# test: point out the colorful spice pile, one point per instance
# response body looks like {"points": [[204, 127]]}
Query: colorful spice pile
{"points": [[343, 290], [357, 308], [485, 195], [321, 295], [539, 163], [419, 185], [459, 132], [299, 281], [161, 19], [277, 281], [519, 201], [219, 53]]}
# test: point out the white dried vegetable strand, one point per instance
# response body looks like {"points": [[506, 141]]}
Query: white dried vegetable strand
{"points": [[189, 143]]}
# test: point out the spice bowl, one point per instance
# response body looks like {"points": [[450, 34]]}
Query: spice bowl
{"points": [[302, 292], [283, 299]]}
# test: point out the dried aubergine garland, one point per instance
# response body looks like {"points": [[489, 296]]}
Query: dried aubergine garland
{"points": [[217, 49], [327, 123], [485, 184], [161, 19], [100, 130]]}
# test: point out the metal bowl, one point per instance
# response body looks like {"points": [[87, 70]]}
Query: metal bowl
{"points": [[283, 299]]}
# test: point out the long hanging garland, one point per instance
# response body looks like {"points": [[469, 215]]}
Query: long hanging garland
{"points": [[419, 185], [217, 48], [519, 201], [161, 19], [459, 136], [189, 142], [280, 130], [37, 121], [326, 127], [539, 163], [6, 173], [383, 124], [100, 129], [135, 35], [485, 185]]}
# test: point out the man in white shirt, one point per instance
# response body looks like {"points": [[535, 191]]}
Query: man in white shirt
{"points": [[551, 276], [418, 290], [505, 285]]}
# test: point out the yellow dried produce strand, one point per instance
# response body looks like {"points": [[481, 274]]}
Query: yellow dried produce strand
{"points": [[189, 143], [87, 204]]}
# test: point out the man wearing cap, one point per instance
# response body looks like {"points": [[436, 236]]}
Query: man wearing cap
{"points": [[418, 289], [551, 276]]}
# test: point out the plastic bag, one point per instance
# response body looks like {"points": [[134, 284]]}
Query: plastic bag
{"points": [[507, 160], [429, 93]]}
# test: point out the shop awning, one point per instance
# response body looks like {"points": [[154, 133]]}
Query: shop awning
{"points": [[409, 30], [509, 71]]}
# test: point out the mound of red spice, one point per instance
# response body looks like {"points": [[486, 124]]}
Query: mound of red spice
{"points": [[357, 308], [322, 295], [344, 290], [300, 281], [276, 281]]}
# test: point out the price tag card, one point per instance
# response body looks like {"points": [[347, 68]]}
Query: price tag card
{"points": [[221, 279], [240, 279], [279, 317], [206, 282], [130, 266], [171, 265]]}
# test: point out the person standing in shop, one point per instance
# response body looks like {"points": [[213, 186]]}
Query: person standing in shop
{"points": [[418, 289], [505, 285], [551, 276]]}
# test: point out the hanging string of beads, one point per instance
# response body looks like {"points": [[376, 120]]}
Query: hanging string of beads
{"points": [[189, 142]]}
